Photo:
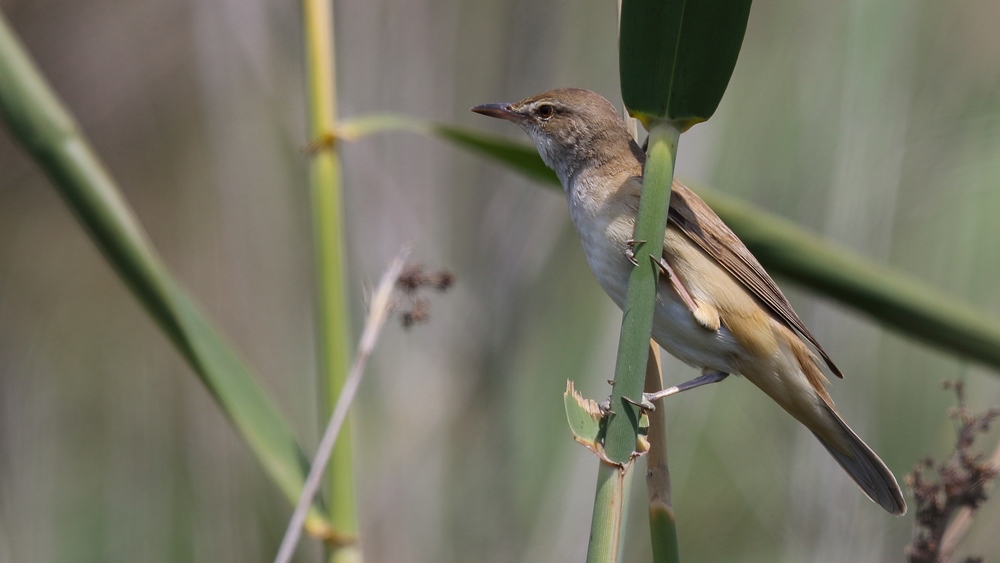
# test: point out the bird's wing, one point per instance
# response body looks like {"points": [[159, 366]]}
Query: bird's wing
{"points": [[697, 220]]}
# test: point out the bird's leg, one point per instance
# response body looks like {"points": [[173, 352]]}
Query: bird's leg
{"points": [[706, 315], [707, 376]]}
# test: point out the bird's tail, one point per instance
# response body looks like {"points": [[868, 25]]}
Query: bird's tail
{"points": [[796, 383], [863, 466], [860, 462]]}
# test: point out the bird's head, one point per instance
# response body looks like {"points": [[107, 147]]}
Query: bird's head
{"points": [[571, 128]]}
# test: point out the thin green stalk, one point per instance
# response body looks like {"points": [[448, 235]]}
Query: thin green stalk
{"points": [[334, 322], [607, 534], [607, 524]]}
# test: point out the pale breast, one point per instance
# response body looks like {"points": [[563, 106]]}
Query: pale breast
{"points": [[604, 232]]}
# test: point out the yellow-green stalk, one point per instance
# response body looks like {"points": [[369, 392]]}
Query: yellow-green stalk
{"points": [[334, 322]]}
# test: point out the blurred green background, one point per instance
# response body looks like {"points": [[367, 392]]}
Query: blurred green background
{"points": [[873, 123]]}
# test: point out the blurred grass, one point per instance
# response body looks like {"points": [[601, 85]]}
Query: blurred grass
{"points": [[198, 110], [49, 133]]}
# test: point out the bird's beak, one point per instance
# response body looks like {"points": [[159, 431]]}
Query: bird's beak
{"points": [[502, 111]]}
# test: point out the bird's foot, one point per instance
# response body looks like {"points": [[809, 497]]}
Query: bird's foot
{"points": [[630, 250], [605, 407], [645, 404]]}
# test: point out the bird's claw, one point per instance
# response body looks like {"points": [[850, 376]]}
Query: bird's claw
{"points": [[645, 404], [630, 250], [605, 407]]}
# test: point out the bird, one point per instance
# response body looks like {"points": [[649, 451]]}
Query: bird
{"points": [[716, 308]]}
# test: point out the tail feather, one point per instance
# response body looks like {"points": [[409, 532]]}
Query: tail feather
{"points": [[865, 468], [851, 452]]}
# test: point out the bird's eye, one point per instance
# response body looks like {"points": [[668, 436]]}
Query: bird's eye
{"points": [[546, 111]]}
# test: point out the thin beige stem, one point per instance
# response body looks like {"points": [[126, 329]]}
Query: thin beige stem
{"points": [[662, 524], [657, 473], [379, 311]]}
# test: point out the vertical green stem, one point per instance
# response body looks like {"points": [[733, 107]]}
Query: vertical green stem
{"points": [[607, 524], [334, 322], [637, 321], [607, 528]]}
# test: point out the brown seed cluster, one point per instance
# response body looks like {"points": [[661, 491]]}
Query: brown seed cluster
{"points": [[414, 309], [961, 482]]}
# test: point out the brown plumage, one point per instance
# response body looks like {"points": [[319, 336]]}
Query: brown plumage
{"points": [[720, 311]]}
